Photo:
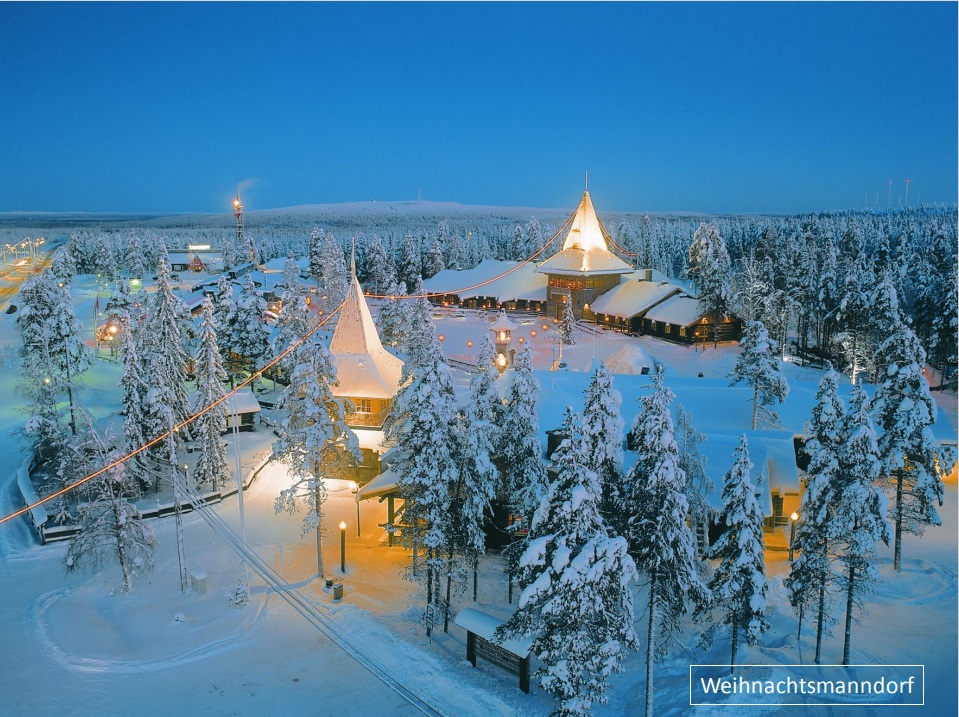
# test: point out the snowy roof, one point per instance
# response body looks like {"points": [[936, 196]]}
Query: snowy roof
{"points": [[633, 297], [364, 369], [245, 402], [369, 439], [681, 310], [521, 284], [584, 250], [385, 483], [484, 625], [502, 323]]}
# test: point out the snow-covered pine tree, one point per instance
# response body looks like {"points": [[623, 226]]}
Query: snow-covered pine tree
{"points": [[910, 459], [860, 508], [476, 432], [420, 332], [739, 583], [656, 530], [854, 311], [110, 526], [420, 426], [164, 339], [315, 248], [315, 438], [810, 576], [133, 396], [211, 467], [51, 350], [63, 267], [433, 261], [249, 333], [568, 323], [758, 366], [603, 432], [410, 267], [334, 275], [708, 269], [294, 320], [391, 319], [379, 274], [133, 261], [522, 471], [698, 484], [222, 309], [575, 603]]}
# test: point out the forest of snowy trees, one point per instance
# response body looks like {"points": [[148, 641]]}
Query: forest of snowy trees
{"points": [[875, 293]]}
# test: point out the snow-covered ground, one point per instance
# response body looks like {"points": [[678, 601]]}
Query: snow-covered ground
{"points": [[72, 644]]}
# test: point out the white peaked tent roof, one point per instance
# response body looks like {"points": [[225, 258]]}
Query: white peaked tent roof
{"points": [[364, 369], [502, 323], [585, 250]]}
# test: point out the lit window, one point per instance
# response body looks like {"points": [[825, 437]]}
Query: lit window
{"points": [[363, 405]]}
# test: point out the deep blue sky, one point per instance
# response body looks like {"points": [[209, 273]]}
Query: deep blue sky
{"points": [[712, 107]]}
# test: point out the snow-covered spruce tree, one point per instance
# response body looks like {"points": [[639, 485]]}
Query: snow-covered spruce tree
{"points": [[334, 278], [656, 530], [420, 425], [133, 396], [568, 323], [379, 276], [110, 526], [51, 350], [810, 577], [133, 261], [708, 269], [211, 466], [164, 339], [860, 519], [315, 438], [522, 472], [433, 261], [391, 319], [854, 313], [751, 289], [575, 604], [294, 320], [410, 266], [63, 267], [222, 309], [249, 333], [738, 584], [603, 432], [315, 248], [420, 332], [476, 434], [910, 459], [758, 366], [698, 484]]}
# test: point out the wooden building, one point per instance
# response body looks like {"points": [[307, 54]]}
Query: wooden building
{"points": [[585, 268]]}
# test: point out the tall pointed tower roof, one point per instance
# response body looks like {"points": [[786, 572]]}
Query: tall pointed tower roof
{"points": [[584, 251], [364, 369]]}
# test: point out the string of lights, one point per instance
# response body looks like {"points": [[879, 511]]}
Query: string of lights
{"points": [[243, 384]]}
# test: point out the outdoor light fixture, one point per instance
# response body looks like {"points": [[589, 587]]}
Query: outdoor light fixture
{"points": [[342, 546], [793, 519]]}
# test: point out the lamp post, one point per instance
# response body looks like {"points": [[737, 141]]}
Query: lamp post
{"points": [[343, 546], [793, 519]]}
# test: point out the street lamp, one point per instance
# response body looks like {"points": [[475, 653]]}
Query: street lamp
{"points": [[343, 546], [793, 519]]}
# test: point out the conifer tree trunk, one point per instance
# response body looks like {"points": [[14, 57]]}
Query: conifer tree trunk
{"points": [[319, 532], [849, 605], [121, 551], [651, 644], [734, 641], [821, 617], [897, 552]]}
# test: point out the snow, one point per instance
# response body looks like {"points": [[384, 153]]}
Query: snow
{"points": [[521, 283], [484, 625], [633, 297], [677, 310], [630, 359], [72, 641]]}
